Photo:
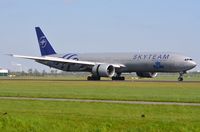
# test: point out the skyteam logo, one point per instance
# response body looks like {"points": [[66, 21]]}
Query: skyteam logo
{"points": [[158, 65], [43, 41], [70, 56]]}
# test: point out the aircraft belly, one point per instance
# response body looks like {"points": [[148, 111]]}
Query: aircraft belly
{"points": [[133, 67]]}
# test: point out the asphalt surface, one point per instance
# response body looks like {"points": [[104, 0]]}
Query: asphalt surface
{"points": [[102, 101]]}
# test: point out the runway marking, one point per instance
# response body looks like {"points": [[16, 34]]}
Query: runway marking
{"points": [[102, 101]]}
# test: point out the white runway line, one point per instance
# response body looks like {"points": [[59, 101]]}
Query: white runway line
{"points": [[102, 101]]}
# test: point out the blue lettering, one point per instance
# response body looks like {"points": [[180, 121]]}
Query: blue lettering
{"points": [[135, 57], [154, 57], [145, 56], [150, 55], [166, 56], [160, 57], [139, 57]]}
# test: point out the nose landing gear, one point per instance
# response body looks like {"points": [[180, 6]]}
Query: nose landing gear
{"points": [[180, 78]]}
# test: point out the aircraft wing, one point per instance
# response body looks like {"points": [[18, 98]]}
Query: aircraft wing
{"points": [[61, 60]]}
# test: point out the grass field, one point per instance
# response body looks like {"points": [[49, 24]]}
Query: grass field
{"points": [[73, 116], [148, 91], [25, 115]]}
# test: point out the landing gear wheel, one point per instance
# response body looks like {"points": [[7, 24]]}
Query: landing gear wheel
{"points": [[118, 78], [180, 79], [93, 78]]}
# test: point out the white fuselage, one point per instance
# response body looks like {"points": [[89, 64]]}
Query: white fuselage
{"points": [[134, 62]]}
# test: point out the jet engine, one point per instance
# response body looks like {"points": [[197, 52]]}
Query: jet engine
{"points": [[103, 70], [146, 74]]}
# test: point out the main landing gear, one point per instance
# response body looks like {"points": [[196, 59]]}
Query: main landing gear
{"points": [[180, 78], [118, 77], [93, 78]]}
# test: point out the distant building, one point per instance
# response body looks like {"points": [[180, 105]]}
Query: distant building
{"points": [[3, 72]]}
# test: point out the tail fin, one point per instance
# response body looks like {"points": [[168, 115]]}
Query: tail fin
{"points": [[45, 46]]}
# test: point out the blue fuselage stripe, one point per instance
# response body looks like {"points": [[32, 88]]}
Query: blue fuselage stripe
{"points": [[69, 57], [66, 55]]}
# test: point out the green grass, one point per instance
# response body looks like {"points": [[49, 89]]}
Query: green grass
{"points": [[52, 116], [42, 116], [147, 91]]}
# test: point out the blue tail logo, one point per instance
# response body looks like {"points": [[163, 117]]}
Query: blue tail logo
{"points": [[45, 46], [43, 42]]}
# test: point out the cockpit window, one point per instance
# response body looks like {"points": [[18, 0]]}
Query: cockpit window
{"points": [[188, 59]]}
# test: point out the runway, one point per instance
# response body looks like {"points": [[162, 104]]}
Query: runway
{"points": [[70, 80], [102, 101]]}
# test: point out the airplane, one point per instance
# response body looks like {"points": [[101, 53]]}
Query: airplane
{"points": [[112, 65]]}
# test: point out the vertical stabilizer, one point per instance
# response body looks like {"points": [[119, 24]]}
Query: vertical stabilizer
{"points": [[45, 46]]}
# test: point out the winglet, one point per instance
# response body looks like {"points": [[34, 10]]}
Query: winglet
{"points": [[45, 46]]}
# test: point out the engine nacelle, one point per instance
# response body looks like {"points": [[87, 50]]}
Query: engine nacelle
{"points": [[146, 74], [103, 70]]}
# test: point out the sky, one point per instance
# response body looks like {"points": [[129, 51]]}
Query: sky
{"points": [[98, 26]]}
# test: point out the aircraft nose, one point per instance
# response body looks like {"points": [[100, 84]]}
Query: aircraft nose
{"points": [[193, 64]]}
